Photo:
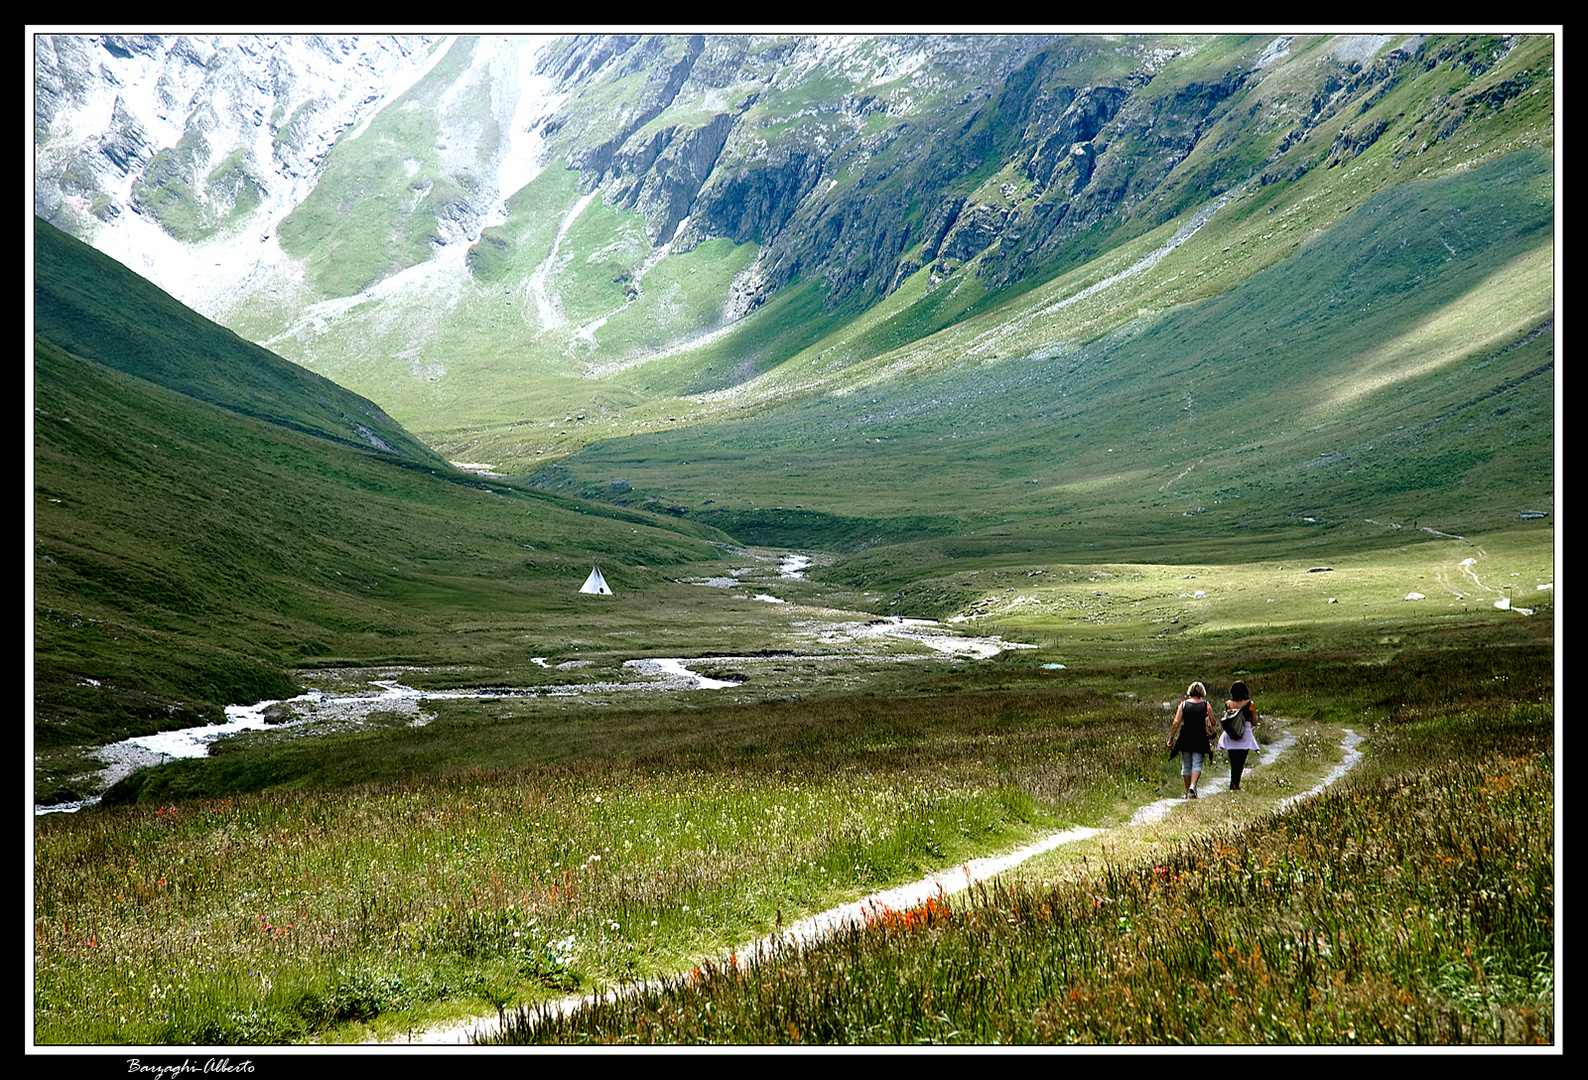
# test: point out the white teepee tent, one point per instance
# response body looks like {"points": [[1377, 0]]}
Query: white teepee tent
{"points": [[595, 583]]}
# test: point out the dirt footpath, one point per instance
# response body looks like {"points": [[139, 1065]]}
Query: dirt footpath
{"points": [[946, 882]]}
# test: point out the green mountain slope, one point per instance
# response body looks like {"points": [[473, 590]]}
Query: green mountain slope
{"points": [[535, 244], [959, 237], [187, 555], [1165, 298], [1399, 367], [94, 307]]}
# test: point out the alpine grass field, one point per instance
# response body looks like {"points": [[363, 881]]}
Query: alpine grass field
{"points": [[1289, 417]]}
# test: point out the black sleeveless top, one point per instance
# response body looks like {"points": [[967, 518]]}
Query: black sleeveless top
{"points": [[1193, 727]]}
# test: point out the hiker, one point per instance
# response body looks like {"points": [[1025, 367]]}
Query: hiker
{"points": [[1240, 701], [1193, 723]]}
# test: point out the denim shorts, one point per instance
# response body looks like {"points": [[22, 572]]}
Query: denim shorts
{"points": [[1190, 762]]}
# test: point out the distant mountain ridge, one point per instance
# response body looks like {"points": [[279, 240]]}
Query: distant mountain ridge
{"points": [[488, 234], [733, 135]]}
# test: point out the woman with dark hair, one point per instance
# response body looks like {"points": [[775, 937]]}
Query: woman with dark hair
{"points": [[1240, 700], [1193, 723]]}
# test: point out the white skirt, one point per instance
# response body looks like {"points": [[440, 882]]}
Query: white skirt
{"points": [[1247, 741]]}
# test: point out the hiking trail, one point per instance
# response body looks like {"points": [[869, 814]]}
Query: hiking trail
{"points": [[948, 881]]}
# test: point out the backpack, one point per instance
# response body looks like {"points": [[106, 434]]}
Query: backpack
{"points": [[1234, 721]]}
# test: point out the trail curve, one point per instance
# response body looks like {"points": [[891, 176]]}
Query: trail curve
{"points": [[944, 882]]}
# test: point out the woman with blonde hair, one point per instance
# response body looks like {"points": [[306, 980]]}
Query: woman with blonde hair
{"points": [[1193, 723], [1240, 701]]}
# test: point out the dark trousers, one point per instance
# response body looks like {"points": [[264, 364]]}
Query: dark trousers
{"points": [[1237, 766]]}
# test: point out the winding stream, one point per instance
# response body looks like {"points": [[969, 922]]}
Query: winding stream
{"points": [[647, 674], [392, 696]]}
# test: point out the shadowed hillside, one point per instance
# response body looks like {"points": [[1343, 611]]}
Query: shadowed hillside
{"points": [[206, 518]]}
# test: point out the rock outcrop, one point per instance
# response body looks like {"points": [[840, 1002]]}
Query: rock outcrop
{"points": [[862, 188], [199, 129]]}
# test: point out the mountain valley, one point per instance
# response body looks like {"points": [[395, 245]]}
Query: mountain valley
{"points": [[931, 410], [929, 305]]}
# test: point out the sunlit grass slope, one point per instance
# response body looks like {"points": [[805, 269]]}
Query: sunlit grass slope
{"points": [[1089, 609], [1417, 912], [1399, 367]]}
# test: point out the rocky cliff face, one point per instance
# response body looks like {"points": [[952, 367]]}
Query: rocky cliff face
{"points": [[864, 160], [823, 151]]}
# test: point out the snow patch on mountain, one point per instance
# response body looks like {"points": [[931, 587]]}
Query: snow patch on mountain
{"points": [[273, 105], [547, 309], [521, 116]]}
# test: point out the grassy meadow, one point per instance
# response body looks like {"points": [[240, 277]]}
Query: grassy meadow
{"points": [[1365, 918], [507, 853]]}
